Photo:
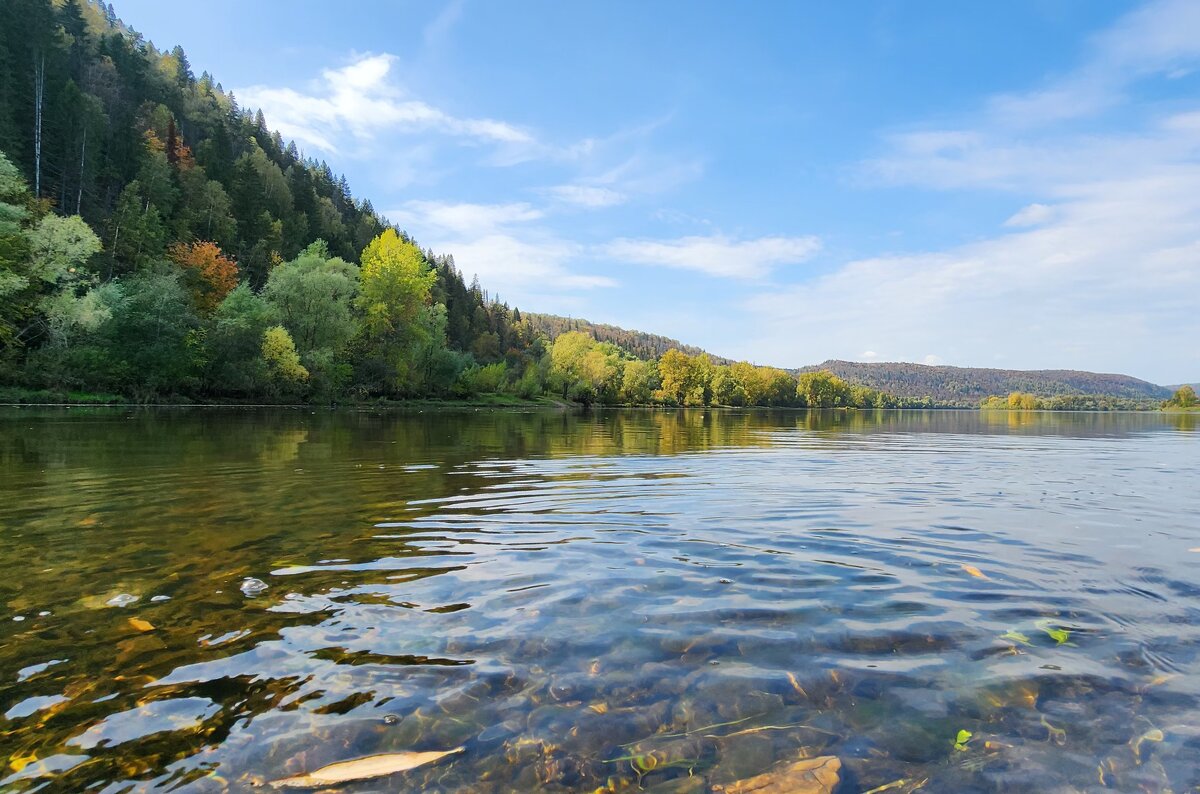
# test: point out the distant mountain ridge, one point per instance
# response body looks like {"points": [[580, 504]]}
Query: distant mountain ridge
{"points": [[638, 343], [969, 385], [961, 386]]}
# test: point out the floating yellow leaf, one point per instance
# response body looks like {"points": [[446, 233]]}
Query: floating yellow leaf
{"points": [[962, 739], [599, 708], [1059, 635], [365, 768], [141, 625], [978, 574], [1160, 679]]}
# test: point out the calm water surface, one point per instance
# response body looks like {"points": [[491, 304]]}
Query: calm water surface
{"points": [[670, 600]]}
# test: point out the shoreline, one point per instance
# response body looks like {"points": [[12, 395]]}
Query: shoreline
{"points": [[556, 404]]}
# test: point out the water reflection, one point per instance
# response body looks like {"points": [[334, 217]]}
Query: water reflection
{"points": [[676, 600]]}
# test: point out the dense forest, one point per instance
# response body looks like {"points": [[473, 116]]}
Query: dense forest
{"points": [[1024, 401], [967, 386], [158, 240]]}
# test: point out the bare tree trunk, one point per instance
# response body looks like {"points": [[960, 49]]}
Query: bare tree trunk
{"points": [[39, 91], [82, 154], [116, 239]]}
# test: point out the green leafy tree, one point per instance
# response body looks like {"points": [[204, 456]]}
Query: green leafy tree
{"points": [[60, 247], [823, 390], [686, 380], [14, 252], [235, 336], [639, 380], [137, 233], [151, 337], [586, 370], [727, 389], [284, 369], [1184, 397], [313, 295], [395, 283]]}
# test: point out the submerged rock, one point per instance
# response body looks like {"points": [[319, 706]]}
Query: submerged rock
{"points": [[806, 776], [252, 587]]}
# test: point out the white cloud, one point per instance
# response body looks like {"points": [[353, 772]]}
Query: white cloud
{"points": [[1099, 269], [502, 244], [437, 217], [649, 174], [716, 255], [1031, 215], [1158, 38], [586, 195], [359, 101], [438, 29], [516, 268], [1100, 286]]}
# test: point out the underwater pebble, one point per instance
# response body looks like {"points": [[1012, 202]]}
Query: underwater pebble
{"points": [[44, 613], [252, 587], [122, 600], [158, 598], [18, 618]]}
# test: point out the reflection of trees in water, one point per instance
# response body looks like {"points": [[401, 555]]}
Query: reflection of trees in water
{"points": [[186, 503]]}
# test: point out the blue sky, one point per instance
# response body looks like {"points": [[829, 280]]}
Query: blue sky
{"points": [[1010, 185]]}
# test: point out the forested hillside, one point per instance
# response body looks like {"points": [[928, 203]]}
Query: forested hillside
{"points": [[637, 343], [153, 232], [157, 241], [967, 386]]}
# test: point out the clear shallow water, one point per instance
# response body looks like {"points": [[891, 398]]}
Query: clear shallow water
{"points": [[710, 592]]}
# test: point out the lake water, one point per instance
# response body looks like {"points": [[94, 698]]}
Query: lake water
{"points": [[602, 601]]}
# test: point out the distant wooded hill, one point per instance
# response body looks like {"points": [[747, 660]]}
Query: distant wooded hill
{"points": [[638, 343], [969, 385], [962, 386]]}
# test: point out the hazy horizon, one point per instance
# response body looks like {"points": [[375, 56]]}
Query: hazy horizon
{"points": [[1011, 187]]}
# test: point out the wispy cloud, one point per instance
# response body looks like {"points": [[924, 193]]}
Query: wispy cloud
{"points": [[1158, 38], [439, 217], [1031, 215], [440, 26], [514, 267], [716, 255], [1093, 280], [359, 101], [586, 195], [504, 246], [1096, 265]]}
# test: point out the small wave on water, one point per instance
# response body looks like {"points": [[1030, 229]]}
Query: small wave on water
{"points": [[674, 601]]}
